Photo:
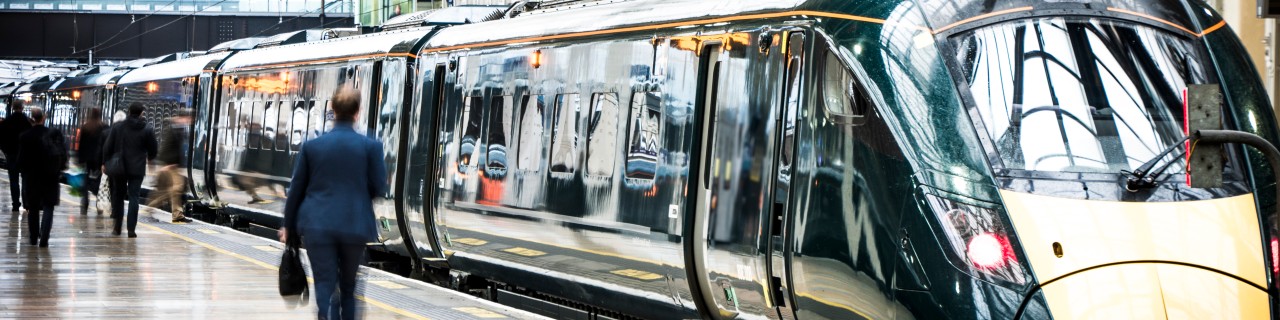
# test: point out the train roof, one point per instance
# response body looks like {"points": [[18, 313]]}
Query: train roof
{"points": [[541, 23], [189, 67], [8, 88], [944, 15], [39, 85], [345, 48], [291, 37], [92, 79], [237, 44]]}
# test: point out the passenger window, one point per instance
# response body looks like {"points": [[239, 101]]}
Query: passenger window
{"points": [[297, 134], [841, 94], [531, 129], [499, 120], [602, 135], [247, 124], [644, 139], [471, 115], [281, 126], [268, 117], [564, 136]]}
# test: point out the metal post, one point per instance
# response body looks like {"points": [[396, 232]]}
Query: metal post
{"points": [[90, 57], [321, 14]]}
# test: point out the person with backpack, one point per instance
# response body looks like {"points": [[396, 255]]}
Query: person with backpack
{"points": [[129, 146], [42, 156], [13, 127]]}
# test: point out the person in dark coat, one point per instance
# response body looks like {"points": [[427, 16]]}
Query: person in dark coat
{"points": [[41, 158], [330, 205], [129, 146], [14, 125], [89, 155]]}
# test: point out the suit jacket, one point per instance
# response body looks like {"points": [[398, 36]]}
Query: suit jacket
{"points": [[134, 140], [335, 179]]}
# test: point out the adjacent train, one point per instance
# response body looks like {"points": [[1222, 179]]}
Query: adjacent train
{"points": [[918, 159]]}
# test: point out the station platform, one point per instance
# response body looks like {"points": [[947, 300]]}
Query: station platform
{"points": [[184, 271]]}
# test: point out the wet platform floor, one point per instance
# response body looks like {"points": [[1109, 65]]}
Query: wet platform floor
{"points": [[182, 271]]}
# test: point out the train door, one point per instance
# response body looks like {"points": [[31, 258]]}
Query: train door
{"points": [[793, 51], [200, 136], [422, 156], [698, 203], [387, 103]]}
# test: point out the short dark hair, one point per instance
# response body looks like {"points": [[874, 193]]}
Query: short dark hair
{"points": [[16, 106], [346, 102], [37, 114], [135, 109], [95, 113]]}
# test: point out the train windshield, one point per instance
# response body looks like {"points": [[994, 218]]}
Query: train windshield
{"points": [[1077, 94]]}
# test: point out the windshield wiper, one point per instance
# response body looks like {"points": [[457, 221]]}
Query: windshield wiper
{"points": [[1144, 177]]}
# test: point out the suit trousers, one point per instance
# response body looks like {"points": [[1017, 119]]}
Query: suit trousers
{"points": [[122, 186], [38, 225], [15, 188], [334, 267]]}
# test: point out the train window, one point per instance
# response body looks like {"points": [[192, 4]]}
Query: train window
{"points": [[602, 135], [564, 134], [315, 126], [472, 113], [499, 120], [531, 129], [245, 123], [840, 92], [644, 138], [298, 127], [267, 126]]}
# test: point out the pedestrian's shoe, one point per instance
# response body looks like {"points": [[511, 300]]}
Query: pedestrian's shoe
{"points": [[33, 241], [260, 201], [16, 207], [181, 220], [44, 243], [133, 235]]}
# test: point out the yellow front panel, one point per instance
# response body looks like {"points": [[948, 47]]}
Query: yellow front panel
{"points": [[1221, 233], [1195, 294], [1120, 292]]}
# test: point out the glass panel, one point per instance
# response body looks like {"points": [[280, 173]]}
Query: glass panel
{"points": [[564, 137], [531, 129], [644, 141], [267, 126], [472, 114], [602, 135], [840, 93], [298, 131], [499, 121], [1079, 94]]}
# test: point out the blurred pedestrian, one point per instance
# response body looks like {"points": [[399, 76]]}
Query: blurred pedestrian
{"points": [[42, 156], [89, 155], [330, 205], [14, 125], [129, 146], [255, 161], [170, 183]]}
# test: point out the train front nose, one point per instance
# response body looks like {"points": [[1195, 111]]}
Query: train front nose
{"points": [[1154, 290], [1144, 260]]}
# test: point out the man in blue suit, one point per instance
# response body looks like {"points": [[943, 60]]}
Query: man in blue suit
{"points": [[330, 205]]}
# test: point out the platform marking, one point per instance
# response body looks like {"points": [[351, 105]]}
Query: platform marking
{"points": [[637, 274], [387, 284], [207, 231], [267, 248], [471, 241], [524, 251], [480, 312]]}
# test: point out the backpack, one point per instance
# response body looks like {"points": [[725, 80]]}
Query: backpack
{"points": [[56, 146]]}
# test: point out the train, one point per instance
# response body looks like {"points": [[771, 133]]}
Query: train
{"points": [[722, 159]]}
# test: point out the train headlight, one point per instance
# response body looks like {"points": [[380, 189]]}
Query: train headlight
{"points": [[979, 239]]}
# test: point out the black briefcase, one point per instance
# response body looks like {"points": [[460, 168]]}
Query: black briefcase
{"points": [[293, 277]]}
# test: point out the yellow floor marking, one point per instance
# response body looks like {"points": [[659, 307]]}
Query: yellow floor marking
{"points": [[595, 252], [267, 248], [642, 275], [480, 312], [387, 284], [207, 231], [524, 252], [471, 241]]}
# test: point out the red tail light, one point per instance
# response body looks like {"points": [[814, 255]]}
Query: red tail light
{"points": [[1275, 256], [979, 237]]}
